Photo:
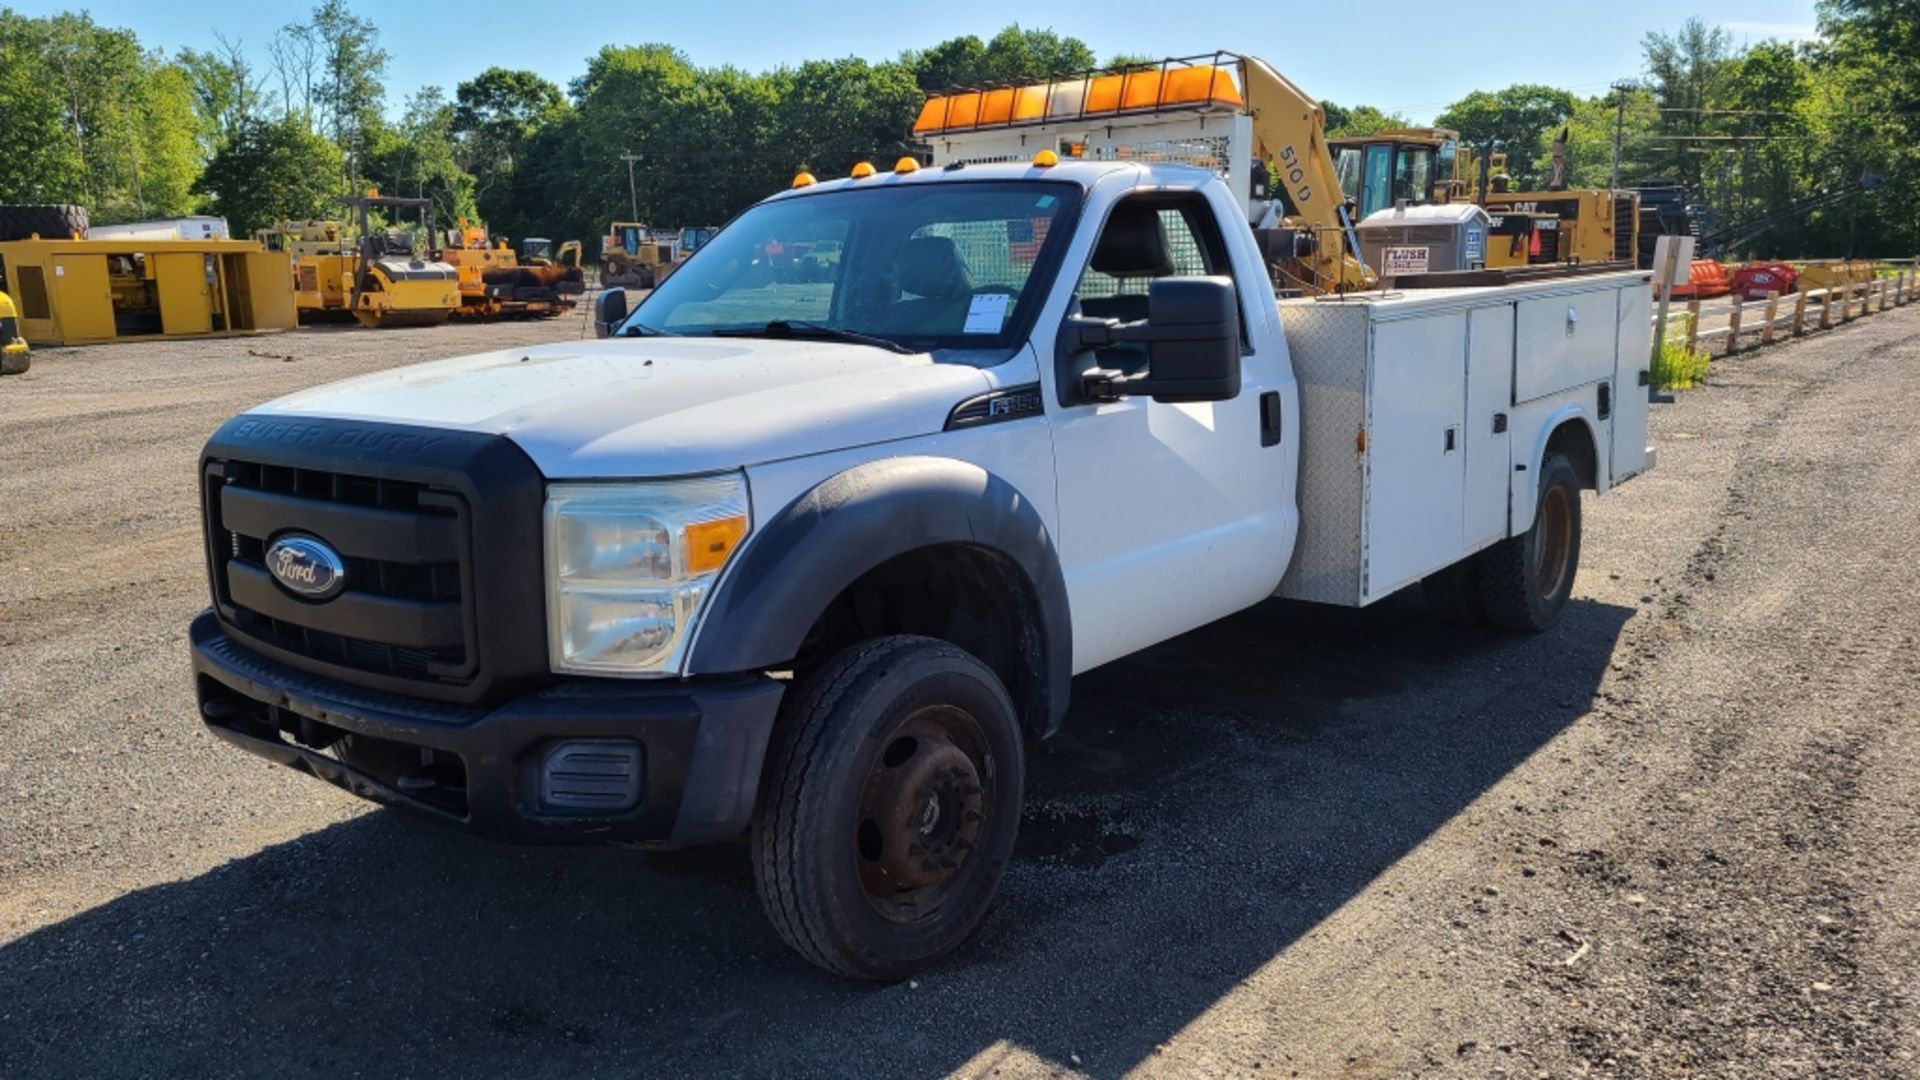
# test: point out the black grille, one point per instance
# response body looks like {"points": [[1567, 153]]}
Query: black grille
{"points": [[357, 653], [1626, 215], [328, 486], [404, 612]]}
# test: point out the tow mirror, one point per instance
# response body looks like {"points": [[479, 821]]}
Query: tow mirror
{"points": [[1192, 334], [609, 311]]}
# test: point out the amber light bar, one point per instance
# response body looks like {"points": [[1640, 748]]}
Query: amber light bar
{"points": [[1192, 82]]}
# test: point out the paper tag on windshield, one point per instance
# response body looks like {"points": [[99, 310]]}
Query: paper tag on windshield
{"points": [[987, 313]]}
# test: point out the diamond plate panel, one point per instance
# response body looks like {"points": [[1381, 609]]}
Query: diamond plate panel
{"points": [[1328, 341]]}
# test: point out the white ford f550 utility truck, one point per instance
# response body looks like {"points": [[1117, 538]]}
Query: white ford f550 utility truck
{"points": [[807, 546]]}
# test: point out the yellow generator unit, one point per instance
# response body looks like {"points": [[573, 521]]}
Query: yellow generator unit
{"points": [[1595, 226], [76, 292]]}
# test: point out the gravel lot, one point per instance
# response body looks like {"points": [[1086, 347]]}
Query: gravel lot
{"points": [[1679, 835]]}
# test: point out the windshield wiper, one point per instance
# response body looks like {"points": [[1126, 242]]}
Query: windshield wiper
{"points": [[634, 329], [800, 329]]}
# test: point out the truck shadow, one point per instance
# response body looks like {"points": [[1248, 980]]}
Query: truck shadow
{"points": [[1211, 801]]}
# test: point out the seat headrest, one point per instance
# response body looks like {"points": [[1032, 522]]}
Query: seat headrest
{"points": [[1134, 244], [930, 266]]}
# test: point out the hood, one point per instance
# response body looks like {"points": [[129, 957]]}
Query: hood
{"points": [[660, 406]]}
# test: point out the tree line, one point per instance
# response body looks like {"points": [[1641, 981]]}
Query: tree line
{"points": [[1808, 148]]}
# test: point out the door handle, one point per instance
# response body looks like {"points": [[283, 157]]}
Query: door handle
{"points": [[1270, 418], [1499, 423]]}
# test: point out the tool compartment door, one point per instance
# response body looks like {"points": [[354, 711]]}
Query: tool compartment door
{"points": [[1563, 341], [1633, 364], [1416, 450], [186, 296], [1489, 423]]}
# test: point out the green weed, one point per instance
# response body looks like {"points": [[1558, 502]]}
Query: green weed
{"points": [[1674, 367]]}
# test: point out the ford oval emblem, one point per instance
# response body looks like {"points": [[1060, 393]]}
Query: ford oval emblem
{"points": [[306, 567]]}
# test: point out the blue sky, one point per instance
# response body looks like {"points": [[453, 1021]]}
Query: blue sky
{"points": [[1411, 57]]}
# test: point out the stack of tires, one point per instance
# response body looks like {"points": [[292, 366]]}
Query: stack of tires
{"points": [[53, 221]]}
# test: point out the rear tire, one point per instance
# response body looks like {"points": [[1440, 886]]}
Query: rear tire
{"points": [[889, 807], [1526, 580]]}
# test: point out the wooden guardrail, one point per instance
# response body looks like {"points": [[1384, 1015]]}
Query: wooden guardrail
{"points": [[1819, 309]]}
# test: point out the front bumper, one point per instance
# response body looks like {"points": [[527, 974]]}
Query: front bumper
{"points": [[699, 744]]}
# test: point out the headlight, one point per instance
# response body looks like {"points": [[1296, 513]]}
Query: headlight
{"points": [[629, 565]]}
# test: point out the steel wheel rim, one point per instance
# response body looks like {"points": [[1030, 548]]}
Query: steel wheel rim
{"points": [[922, 812], [1552, 542]]}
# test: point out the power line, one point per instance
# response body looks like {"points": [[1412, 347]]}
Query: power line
{"points": [[1789, 112], [1723, 138]]}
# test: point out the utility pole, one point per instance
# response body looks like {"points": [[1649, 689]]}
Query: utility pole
{"points": [[1620, 91], [633, 193]]}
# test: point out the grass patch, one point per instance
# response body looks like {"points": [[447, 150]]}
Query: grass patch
{"points": [[1674, 367]]}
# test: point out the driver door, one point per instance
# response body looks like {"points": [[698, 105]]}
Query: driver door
{"points": [[1171, 515]]}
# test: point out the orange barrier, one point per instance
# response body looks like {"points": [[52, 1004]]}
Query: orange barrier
{"points": [[1708, 280]]}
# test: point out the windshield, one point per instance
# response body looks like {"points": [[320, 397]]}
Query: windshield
{"points": [[1413, 175], [924, 265]]}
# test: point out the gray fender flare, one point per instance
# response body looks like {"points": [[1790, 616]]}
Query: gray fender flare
{"points": [[807, 553]]}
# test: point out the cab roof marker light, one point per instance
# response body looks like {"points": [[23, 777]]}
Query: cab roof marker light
{"points": [[1045, 159], [803, 178], [862, 170], [906, 165]]}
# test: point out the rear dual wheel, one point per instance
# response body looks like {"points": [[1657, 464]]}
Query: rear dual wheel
{"points": [[890, 806], [1523, 582]]}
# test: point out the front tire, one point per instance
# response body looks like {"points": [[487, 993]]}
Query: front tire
{"points": [[1526, 580], [890, 806]]}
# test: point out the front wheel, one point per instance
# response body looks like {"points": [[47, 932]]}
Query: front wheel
{"points": [[1526, 581], [889, 808]]}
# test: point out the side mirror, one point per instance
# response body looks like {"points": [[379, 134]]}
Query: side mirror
{"points": [[1192, 334], [609, 311]]}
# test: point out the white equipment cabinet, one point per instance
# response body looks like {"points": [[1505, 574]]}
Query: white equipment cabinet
{"points": [[1422, 413]]}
